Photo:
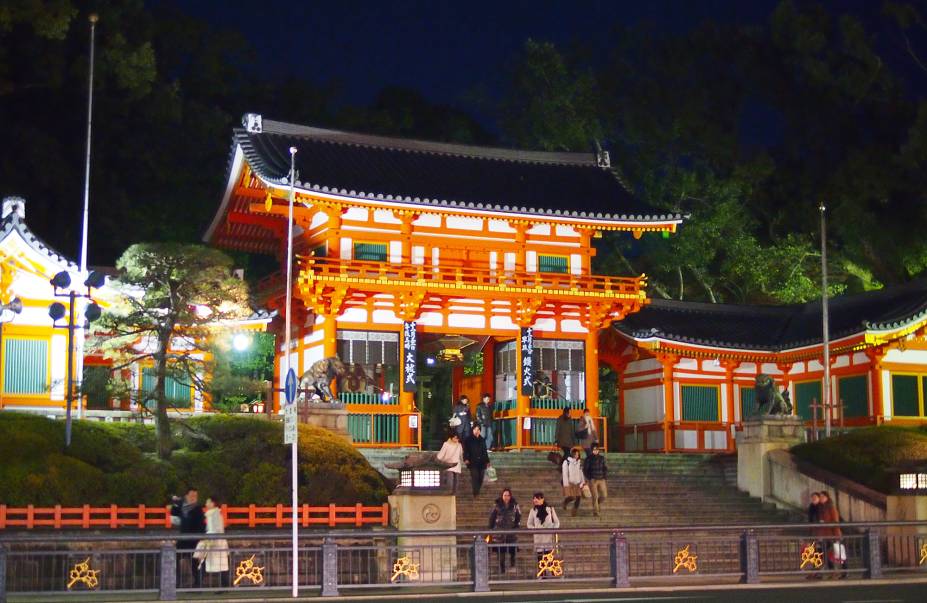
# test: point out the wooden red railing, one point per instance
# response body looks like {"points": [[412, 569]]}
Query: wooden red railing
{"points": [[143, 517]]}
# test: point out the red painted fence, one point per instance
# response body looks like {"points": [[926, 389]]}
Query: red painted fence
{"points": [[142, 517]]}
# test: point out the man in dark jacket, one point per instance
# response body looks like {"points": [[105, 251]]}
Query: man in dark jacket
{"points": [[192, 520], [506, 515], [461, 411], [477, 459], [565, 433], [484, 418], [596, 473]]}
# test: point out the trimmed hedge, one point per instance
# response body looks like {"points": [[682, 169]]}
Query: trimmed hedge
{"points": [[238, 460], [865, 455]]}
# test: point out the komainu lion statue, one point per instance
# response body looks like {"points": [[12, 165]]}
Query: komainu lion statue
{"points": [[319, 378], [769, 401]]}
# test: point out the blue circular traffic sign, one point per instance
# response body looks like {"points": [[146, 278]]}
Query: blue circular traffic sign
{"points": [[289, 386]]}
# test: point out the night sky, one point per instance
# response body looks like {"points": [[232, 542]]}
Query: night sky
{"points": [[448, 50]]}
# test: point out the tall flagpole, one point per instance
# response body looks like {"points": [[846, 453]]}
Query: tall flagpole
{"points": [[289, 304], [78, 357], [83, 240], [825, 386]]}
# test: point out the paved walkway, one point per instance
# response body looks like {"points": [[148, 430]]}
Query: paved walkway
{"points": [[896, 590]]}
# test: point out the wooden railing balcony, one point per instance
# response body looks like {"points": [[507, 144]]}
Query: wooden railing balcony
{"points": [[382, 276]]}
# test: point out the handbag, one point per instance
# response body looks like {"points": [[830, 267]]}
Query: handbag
{"points": [[838, 552], [199, 553], [587, 493], [491, 475], [454, 421]]}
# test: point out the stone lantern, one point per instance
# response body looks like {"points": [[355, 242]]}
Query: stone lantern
{"points": [[422, 500], [907, 502]]}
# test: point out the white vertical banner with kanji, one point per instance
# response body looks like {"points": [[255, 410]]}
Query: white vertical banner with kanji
{"points": [[409, 353], [527, 367]]}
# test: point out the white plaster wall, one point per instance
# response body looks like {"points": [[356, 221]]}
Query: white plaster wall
{"points": [[842, 360], [647, 364], [860, 358], [814, 365], [687, 364], [711, 366], [385, 317], [545, 324], [677, 400], [576, 263], [358, 214], [464, 223], [572, 326], [770, 369], [655, 439], [385, 216], [418, 254], [59, 366], [428, 220], [493, 259], [314, 336], [347, 248], [887, 395], [352, 315], [716, 440], [685, 438], [395, 252], [724, 418], [502, 322], [508, 262], [540, 229], [311, 356], [431, 319], [500, 226], [906, 356], [470, 321], [318, 219], [746, 367], [435, 258], [566, 231], [643, 405], [531, 261]]}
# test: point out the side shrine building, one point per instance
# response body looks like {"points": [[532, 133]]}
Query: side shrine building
{"points": [[433, 270]]}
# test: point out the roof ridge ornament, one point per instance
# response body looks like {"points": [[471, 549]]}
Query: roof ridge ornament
{"points": [[253, 123]]}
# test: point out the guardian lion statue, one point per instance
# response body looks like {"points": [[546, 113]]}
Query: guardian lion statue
{"points": [[769, 401], [319, 378]]}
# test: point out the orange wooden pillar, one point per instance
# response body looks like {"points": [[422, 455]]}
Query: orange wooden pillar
{"points": [[668, 361], [729, 367], [592, 371], [875, 378]]}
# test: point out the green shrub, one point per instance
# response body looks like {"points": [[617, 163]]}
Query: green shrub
{"points": [[239, 460], [868, 454]]}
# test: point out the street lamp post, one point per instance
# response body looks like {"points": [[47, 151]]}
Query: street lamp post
{"points": [[56, 311]]}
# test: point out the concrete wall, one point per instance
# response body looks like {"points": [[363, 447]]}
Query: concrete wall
{"points": [[791, 482]]}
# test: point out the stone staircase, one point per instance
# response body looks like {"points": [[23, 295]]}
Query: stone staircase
{"points": [[644, 490]]}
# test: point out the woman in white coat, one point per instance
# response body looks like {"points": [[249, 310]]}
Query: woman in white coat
{"points": [[217, 551], [452, 452], [543, 517], [573, 479]]}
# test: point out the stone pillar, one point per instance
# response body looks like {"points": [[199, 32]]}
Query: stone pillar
{"points": [[904, 542], [759, 436], [417, 510]]}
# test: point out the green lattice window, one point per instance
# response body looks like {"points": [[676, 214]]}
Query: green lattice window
{"points": [[906, 395], [370, 252], [553, 263], [854, 393], [25, 366], [747, 402], [805, 394], [700, 403], [179, 394]]}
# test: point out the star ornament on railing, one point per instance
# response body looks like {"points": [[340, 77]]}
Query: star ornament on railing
{"points": [[923, 554], [810, 555], [404, 567], [247, 570], [685, 560], [550, 565], [82, 574]]}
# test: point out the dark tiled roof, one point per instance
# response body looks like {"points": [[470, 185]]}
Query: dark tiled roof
{"points": [[429, 173], [14, 223], [776, 328]]}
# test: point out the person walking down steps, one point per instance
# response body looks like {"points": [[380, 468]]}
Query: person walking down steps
{"points": [[573, 480], [506, 515], [542, 517], [452, 452], [596, 471], [476, 458]]}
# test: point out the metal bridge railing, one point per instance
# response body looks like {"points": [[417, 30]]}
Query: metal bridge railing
{"points": [[58, 563]]}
